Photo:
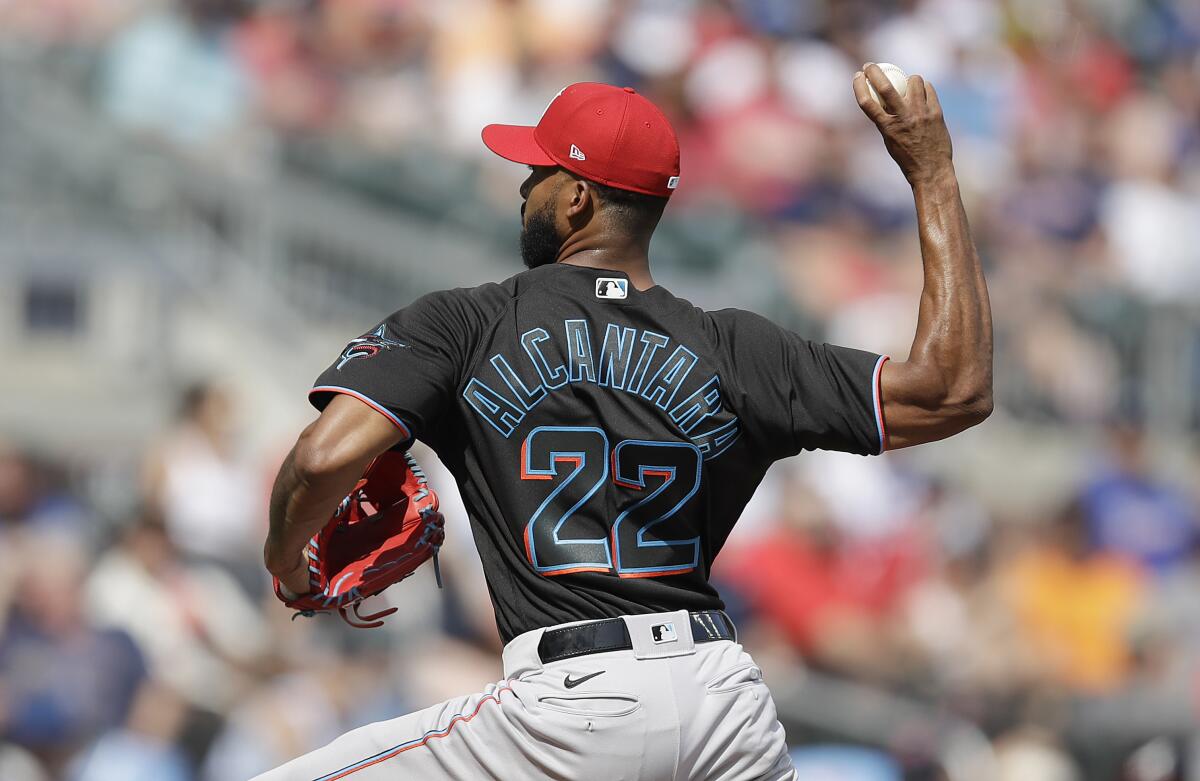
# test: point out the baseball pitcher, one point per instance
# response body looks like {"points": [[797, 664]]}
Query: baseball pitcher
{"points": [[605, 436]]}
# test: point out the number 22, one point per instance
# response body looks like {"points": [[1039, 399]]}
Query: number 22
{"points": [[642, 541]]}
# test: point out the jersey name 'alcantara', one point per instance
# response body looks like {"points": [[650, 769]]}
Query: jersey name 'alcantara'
{"points": [[672, 386], [604, 439]]}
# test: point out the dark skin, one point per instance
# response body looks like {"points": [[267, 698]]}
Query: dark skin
{"points": [[588, 237], [944, 387]]}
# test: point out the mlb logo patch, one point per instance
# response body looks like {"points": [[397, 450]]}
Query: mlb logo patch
{"points": [[663, 633], [612, 288]]}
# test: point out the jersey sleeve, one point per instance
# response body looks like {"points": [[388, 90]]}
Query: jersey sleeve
{"points": [[804, 395], [407, 367]]}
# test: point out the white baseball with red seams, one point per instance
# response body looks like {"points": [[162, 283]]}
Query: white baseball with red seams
{"points": [[896, 76]]}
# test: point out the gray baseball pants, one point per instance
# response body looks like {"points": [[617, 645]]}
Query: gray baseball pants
{"points": [[659, 712]]}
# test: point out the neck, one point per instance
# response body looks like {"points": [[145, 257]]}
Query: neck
{"points": [[628, 257]]}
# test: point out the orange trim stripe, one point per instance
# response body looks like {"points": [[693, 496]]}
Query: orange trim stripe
{"points": [[655, 574], [573, 570], [394, 752]]}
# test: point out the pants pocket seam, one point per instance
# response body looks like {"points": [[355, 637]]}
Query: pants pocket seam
{"points": [[713, 686], [554, 702]]}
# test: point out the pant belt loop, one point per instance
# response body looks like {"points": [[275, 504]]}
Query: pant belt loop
{"points": [[520, 655]]}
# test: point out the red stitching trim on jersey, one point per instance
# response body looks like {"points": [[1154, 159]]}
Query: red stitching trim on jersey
{"points": [[382, 410], [877, 396]]}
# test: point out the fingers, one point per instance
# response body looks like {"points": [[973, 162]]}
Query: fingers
{"points": [[915, 93], [920, 98], [866, 102], [931, 99], [892, 102]]}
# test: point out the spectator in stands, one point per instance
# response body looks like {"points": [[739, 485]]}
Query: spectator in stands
{"points": [[174, 73], [30, 497], [212, 507], [61, 679], [835, 598], [1132, 512], [1149, 216], [207, 656], [1074, 606], [144, 748]]}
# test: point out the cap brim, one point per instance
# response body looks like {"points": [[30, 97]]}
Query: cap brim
{"points": [[516, 143]]}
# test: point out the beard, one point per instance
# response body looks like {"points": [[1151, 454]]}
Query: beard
{"points": [[539, 238]]}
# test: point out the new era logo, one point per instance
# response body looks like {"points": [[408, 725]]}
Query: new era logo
{"points": [[673, 182], [576, 154], [612, 288], [663, 633]]}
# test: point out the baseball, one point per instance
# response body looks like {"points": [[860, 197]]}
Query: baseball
{"points": [[897, 77]]}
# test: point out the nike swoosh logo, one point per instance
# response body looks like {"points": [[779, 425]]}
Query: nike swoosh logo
{"points": [[571, 683]]}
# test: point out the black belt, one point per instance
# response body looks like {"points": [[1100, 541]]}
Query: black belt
{"points": [[611, 634]]}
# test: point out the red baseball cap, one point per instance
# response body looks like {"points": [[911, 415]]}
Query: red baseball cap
{"points": [[607, 134]]}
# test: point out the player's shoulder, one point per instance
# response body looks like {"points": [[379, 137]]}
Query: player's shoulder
{"points": [[469, 310], [733, 317], [492, 295], [481, 302], [739, 324], [559, 277], [463, 313]]}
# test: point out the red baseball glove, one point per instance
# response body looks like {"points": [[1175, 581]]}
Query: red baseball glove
{"points": [[387, 527]]}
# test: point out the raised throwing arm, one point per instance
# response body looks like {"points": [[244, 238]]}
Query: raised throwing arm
{"points": [[945, 386]]}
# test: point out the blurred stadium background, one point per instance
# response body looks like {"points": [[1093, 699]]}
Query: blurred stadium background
{"points": [[201, 200]]}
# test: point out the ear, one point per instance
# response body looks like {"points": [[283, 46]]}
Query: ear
{"points": [[580, 200]]}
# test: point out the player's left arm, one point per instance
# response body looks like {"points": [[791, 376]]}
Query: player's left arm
{"points": [[322, 468], [945, 386], [385, 389]]}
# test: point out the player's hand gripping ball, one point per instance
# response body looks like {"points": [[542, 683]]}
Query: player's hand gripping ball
{"points": [[387, 527], [909, 117], [895, 75]]}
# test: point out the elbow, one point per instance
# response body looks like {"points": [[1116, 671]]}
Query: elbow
{"points": [[314, 460], [979, 410], [967, 394], [928, 404], [973, 407], [311, 464], [960, 402]]}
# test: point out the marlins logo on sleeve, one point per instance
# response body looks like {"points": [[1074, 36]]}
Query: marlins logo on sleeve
{"points": [[368, 345]]}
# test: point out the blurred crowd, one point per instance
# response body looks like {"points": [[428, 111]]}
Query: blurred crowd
{"points": [[1075, 125], [1067, 630], [149, 646], [1075, 628]]}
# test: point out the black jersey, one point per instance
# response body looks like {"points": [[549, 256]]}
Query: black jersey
{"points": [[604, 439]]}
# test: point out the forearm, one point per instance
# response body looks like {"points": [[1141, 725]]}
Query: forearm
{"points": [[330, 456], [953, 341], [945, 386], [302, 502]]}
